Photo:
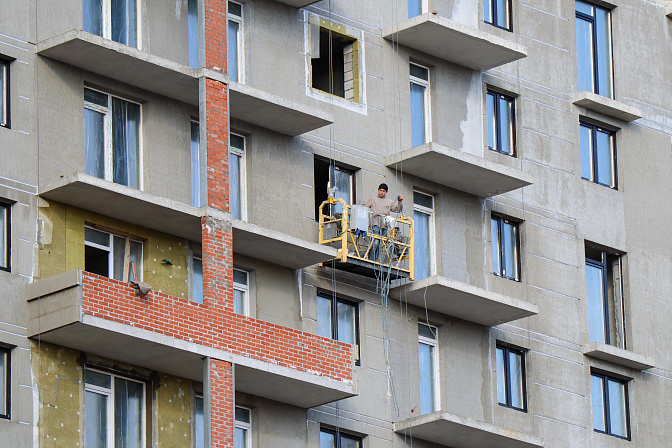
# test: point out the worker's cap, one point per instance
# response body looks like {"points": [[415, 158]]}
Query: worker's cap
{"points": [[383, 187]]}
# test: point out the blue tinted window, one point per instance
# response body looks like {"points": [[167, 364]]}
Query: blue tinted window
{"points": [[593, 49]]}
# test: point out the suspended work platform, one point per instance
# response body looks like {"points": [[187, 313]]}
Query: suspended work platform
{"points": [[368, 244]]}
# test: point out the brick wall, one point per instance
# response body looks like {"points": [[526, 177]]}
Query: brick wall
{"points": [[215, 34], [221, 404], [216, 327]]}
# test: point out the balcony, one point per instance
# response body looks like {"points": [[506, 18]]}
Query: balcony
{"points": [[464, 301], [618, 356], [607, 106], [105, 317], [298, 3], [456, 431], [123, 63], [458, 170], [454, 42], [273, 112], [126, 204], [277, 247]]}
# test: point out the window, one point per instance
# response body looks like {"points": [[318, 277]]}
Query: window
{"points": [[335, 67], [195, 165], [237, 178], [331, 438], [511, 378], [113, 19], [338, 319], [197, 279], [328, 175], [593, 49], [192, 32], [5, 383], [505, 248], [423, 218], [429, 368], [199, 428], [242, 428], [598, 155], [4, 93], [501, 129], [420, 116], [112, 138], [235, 39], [604, 291], [112, 255], [241, 292], [114, 411], [497, 13], [416, 7], [610, 405], [5, 237]]}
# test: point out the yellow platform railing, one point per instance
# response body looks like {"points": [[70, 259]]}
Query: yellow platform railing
{"points": [[383, 242]]}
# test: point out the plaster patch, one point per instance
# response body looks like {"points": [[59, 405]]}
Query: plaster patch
{"points": [[466, 12], [472, 126]]}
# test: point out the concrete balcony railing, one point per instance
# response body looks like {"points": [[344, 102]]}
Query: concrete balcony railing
{"points": [[464, 301], [458, 170], [454, 42], [456, 431], [105, 317], [168, 78]]}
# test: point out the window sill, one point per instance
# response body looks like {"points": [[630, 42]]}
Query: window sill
{"points": [[454, 42], [606, 106], [443, 428], [618, 356]]}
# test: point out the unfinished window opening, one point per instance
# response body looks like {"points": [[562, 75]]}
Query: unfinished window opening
{"points": [[604, 290], [112, 255], [328, 176], [335, 69]]}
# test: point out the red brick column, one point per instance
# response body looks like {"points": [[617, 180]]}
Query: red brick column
{"points": [[221, 404], [215, 34], [217, 250]]}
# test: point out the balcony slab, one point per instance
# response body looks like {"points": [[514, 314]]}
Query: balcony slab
{"points": [[55, 315], [464, 301], [618, 356], [123, 63], [273, 112], [126, 204], [297, 3], [607, 106], [458, 170], [277, 247], [454, 42], [456, 431]]}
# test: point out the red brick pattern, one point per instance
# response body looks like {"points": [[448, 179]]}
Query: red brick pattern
{"points": [[215, 327], [221, 404], [217, 129], [217, 263], [215, 34]]}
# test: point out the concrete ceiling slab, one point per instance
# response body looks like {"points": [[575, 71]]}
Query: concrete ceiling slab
{"points": [[454, 42], [458, 170], [464, 301], [456, 431], [297, 3]]}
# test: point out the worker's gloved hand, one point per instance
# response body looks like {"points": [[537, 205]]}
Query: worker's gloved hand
{"points": [[399, 198]]}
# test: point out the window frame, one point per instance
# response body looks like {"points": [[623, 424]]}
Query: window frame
{"points": [[109, 392], [432, 231], [493, 7], [7, 353], [497, 115], [5, 113], [425, 84], [239, 19], [595, 72], [424, 4], [235, 151], [110, 249], [613, 305], [195, 161], [508, 381], [500, 249], [193, 297], [107, 22], [108, 130], [593, 156], [605, 378], [334, 301], [238, 424], [196, 428], [6, 209], [436, 384], [193, 41], [245, 289], [337, 433]]}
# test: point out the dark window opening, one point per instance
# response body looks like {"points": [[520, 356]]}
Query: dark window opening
{"points": [[96, 261], [328, 175], [339, 49]]}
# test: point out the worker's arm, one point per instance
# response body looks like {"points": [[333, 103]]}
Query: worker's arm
{"points": [[369, 202], [399, 207]]}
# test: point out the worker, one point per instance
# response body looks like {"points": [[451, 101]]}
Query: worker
{"points": [[380, 207]]}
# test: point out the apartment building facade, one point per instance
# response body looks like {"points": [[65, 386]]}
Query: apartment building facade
{"points": [[189, 145]]}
